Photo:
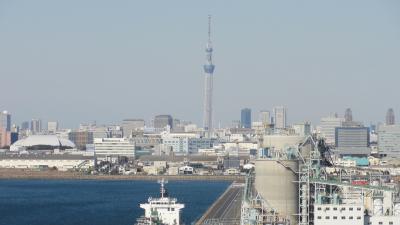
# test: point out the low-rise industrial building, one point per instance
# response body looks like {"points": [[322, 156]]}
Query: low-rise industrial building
{"points": [[43, 161], [186, 145]]}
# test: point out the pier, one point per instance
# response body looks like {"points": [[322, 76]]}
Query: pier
{"points": [[226, 209]]}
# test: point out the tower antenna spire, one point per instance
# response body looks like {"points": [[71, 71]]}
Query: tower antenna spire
{"points": [[209, 27]]}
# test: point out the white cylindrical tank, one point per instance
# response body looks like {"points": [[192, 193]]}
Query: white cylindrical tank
{"points": [[276, 181], [378, 207]]}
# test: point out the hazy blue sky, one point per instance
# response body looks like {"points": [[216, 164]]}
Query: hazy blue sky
{"points": [[76, 61]]}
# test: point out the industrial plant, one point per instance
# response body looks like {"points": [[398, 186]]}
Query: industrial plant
{"points": [[303, 186]]}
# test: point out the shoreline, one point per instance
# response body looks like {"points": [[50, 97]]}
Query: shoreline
{"points": [[19, 174]]}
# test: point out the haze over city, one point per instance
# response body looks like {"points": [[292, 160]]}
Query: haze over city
{"points": [[78, 61]]}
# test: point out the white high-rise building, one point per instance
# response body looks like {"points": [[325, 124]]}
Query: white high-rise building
{"points": [[5, 121], [36, 126], [265, 117], [52, 127], [113, 147], [280, 117], [389, 140], [328, 126]]}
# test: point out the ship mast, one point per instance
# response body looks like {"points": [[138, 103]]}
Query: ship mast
{"points": [[163, 190]]}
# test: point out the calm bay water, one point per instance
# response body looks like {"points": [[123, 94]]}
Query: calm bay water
{"points": [[93, 202]]}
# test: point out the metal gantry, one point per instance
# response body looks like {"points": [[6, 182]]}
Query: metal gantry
{"points": [[309, 167]]}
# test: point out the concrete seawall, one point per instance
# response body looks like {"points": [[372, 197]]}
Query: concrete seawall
{"points": [[48, 175]]}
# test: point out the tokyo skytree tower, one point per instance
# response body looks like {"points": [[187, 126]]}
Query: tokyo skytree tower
{"points": [[208, 85]]}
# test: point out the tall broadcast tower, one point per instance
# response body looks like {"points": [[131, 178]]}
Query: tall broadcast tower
{"points": [[208, 85]]}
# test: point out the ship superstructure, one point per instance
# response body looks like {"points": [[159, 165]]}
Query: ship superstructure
{"points": [[162, 210]]}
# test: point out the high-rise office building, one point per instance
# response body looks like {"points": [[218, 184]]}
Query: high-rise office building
{"points": [[348, 115], [162, 121], [328, 126], [245, 118], [36, 126], [352, 140], [131, 125], [265, 117], [52, 127], [390, 117], [352, 136], [280, 117], [208, 87], [5, 120], [389, 140]]}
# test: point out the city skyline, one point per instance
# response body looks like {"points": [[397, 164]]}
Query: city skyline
{"points": [[323, 65], [278, 119]]}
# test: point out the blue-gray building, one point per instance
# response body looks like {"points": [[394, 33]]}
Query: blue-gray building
{"points": [[352, 137], [245, 118], [352, 140]]}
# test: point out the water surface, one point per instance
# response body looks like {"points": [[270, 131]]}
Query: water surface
{"points": [[94, 202]]}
